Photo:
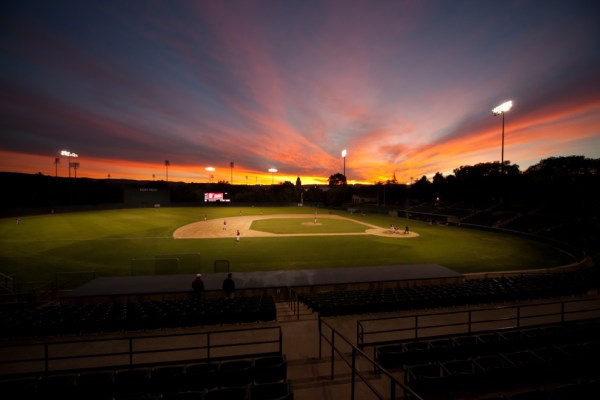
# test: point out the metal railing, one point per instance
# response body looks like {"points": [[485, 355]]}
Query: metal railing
{"points": [[133, 351], [354, 356], [294, 302], [386, 330], [365, 368]]}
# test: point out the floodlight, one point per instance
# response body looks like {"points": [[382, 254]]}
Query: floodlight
{"points": [[272, 171], [501, 110], [210, 175], [68, 154]]}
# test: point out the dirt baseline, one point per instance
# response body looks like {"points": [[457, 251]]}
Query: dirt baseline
{"points": [[228, 227]]}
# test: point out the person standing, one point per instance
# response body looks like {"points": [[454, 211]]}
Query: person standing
{"points": [[229, 286], [224, 224], [237, 236], [197, 287]]}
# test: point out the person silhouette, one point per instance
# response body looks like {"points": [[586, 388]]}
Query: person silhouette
{"points": [[197, 287], [229, 286]]}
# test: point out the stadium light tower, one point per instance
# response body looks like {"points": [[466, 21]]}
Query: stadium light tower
{"points": [[501, 110], [68, 154], [272, 171], [344, 153], [167, 163], [210, 171], [75, 168]]}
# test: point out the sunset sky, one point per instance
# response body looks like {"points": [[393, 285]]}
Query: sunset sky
{"points": [[406, 86]]}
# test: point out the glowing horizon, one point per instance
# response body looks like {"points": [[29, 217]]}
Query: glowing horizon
{"points": [[405, 87]]}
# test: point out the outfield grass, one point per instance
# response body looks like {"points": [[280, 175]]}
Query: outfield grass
{"points": [[105, 242]]}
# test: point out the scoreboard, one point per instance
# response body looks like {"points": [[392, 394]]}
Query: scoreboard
{"points": [[212, 197]]}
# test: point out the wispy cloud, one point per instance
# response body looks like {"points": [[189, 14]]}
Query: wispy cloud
{"points": [[406, 87]]}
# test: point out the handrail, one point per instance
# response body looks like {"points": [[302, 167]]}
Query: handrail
{"points": [[41, 356], [294, 302], [355, 353], [515, 316]]}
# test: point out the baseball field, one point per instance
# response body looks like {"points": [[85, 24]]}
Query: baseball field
{"points": [[191, 239]]}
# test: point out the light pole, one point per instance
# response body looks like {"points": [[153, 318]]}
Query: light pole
{"points": [[56, 162], [75, 168], [68, 154], [167, 163], [272, 171], [210, 170], [501, 110], [344, 153]]}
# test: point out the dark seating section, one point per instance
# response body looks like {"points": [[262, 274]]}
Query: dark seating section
{"points": [[552, 362], [244, 379], [119, 317], [469, 292]]}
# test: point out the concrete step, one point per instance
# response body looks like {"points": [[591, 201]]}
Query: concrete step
{"points": [[286, 312]]}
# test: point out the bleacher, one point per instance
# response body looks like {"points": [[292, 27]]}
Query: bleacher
{"points": [[261, 378], [470, 292], [546, 362], [59, 319]]}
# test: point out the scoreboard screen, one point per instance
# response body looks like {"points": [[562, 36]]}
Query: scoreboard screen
{"points": [[212, 197]]}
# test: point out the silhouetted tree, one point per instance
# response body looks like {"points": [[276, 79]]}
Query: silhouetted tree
{"points": [[337, 179], [314, 195]]}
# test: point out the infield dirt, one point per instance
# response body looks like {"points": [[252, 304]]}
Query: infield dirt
{"points": [[228, 227]]}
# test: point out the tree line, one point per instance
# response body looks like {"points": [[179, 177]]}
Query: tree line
{"points": [[567, 182]]}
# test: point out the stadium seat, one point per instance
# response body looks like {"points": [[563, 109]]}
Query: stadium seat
{"points": [[95, 385], [24, 386], [526, 366], [391, 356], [440, 349], [465, 346], [495, 372], [425, 378], [236, 373], [416, 352], [167, 379], [132, 383], [201, 376], [459, 374], [270, 369], [57, 386]]}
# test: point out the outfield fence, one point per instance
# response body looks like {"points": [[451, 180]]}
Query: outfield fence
{"points": [[167, 264]]}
